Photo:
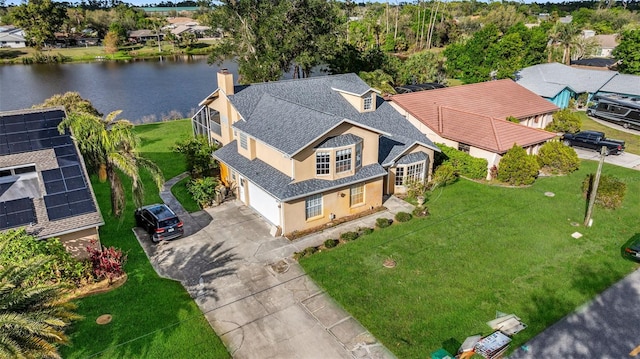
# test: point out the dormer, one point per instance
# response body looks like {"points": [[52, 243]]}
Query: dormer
{"points": [[360, 96]]}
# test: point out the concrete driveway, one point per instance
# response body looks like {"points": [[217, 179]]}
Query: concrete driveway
{"points": [[628, 160], [605, 328], [257, 299]]}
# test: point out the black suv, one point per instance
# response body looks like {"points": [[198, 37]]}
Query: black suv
{"points": [[159, 221]]}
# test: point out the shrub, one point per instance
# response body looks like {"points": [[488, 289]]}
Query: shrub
{"points": [[558, 158], [203, 190], [420, 212], [416, 188], [513, 119], [197, 152], [310, 250], [383, 222], [518, 168], [107, 263], [463, 163], [349, 236], [330, 243], [444, 175], [565, 121], [364, 231], [403, 217], [611, 191], [18, 246]]}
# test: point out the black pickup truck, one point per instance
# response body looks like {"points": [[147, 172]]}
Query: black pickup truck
{"points": [[594, 140]]}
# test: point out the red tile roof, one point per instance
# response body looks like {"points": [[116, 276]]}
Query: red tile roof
{"points": [[476, 114]]}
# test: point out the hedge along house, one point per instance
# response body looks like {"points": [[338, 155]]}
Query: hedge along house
{"points": [[305, 152], [474, 118], [44, 186], [560, 83]]}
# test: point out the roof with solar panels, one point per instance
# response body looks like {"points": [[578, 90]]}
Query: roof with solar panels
{"points": [[44, 185]]}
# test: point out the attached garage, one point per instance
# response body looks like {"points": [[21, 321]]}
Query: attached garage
{"points": [[264, 204]]}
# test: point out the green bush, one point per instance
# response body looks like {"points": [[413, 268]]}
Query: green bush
{"points": [[197, 152], [383, 222], [611, 191], [330, 243], [403, 217], [565, 121], [349, 236], [558, 158], [416, 188], [18, 246], [463, 163], [310, 250], [203, 190], [364, 231], [517, 167], [444, 175], [420, 211]]}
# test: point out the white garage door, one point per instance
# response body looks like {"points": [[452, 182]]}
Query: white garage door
{"points": [[264, 203]]}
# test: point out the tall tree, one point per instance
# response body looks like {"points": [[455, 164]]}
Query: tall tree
{"points": [[627, 52], [565, 35], [32, 316], [40, 19], [111, 147]]}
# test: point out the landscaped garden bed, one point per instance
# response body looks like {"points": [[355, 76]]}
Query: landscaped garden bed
{"points": [[481, 250]]}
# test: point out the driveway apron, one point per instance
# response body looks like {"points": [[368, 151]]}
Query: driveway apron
{"points": [[254, 295]]}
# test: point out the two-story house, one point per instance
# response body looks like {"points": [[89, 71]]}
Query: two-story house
{"points": [[305, 152]]}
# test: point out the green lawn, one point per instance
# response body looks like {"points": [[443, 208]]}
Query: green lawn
{"points": [[152, 317], [632, 141], [183, 196], [483, 249]]}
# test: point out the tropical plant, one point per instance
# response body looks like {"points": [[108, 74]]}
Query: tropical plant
{"points": [[72, 103], [110, 147], [107, 262], [517, 167], [204, 190], [32, 316], [565, 35], [379, 80]]}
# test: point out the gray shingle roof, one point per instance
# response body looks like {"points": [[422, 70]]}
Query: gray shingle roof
{"points": [[351, 87], [623, 84], [340, 141], [280, 185], [413, 158], [548, 80], [293, 111]]}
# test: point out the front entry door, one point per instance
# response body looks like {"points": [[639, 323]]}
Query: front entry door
{"points": [[241, 190]]}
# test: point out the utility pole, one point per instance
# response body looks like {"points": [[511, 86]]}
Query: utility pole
{"points": [[594, 187]]}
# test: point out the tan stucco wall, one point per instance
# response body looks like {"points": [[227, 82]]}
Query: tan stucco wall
{"points": [[76, 243], [538, 121], [305, 161], [273, 157], [332, 202]]}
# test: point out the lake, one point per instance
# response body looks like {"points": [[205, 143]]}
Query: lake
{"points": [[146, 90]]}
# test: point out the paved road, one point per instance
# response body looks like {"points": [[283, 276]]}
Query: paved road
{"points": [[257, 299], [606, 328]]}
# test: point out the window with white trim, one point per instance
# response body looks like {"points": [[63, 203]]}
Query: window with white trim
{"points": [[359, 154], [323, 163], [399, 176], [243, 140], [356, 195], [368, 101], [343, 160], [313, 206], [415, 173]]}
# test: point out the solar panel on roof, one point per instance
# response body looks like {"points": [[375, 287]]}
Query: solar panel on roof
{"points": [[53, 187], [55, 200], [59, 212], [82, 207], [64, 150], [32, 117], [74, 183], [13, 119], [19, 147], [78, 195], [71, 171], [14, 128], [18, 212], [51, 175]]}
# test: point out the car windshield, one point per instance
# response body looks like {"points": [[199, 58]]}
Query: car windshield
{"points": [[169, 222]]}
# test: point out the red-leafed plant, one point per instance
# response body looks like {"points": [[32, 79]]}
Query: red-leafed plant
{"points": [[107, 262]]}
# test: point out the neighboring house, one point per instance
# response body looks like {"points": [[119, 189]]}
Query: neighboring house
{"points": [[142, 36], [170, 10], [606, 44], [12, 39], [559, 83], [44, 186], [473, 118], [198, 30], [305, 152]]}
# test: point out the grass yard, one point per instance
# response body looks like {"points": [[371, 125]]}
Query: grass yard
{"points": [[181, 193], [483, 249], [632, 141], [152, 317]]}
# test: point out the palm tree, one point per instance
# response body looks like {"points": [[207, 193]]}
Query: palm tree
{"points": [[564, 34], [111, 148], [32, 317]]}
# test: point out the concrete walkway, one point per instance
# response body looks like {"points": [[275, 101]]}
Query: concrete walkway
{"points": [[255, 296], [628, 160]]}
